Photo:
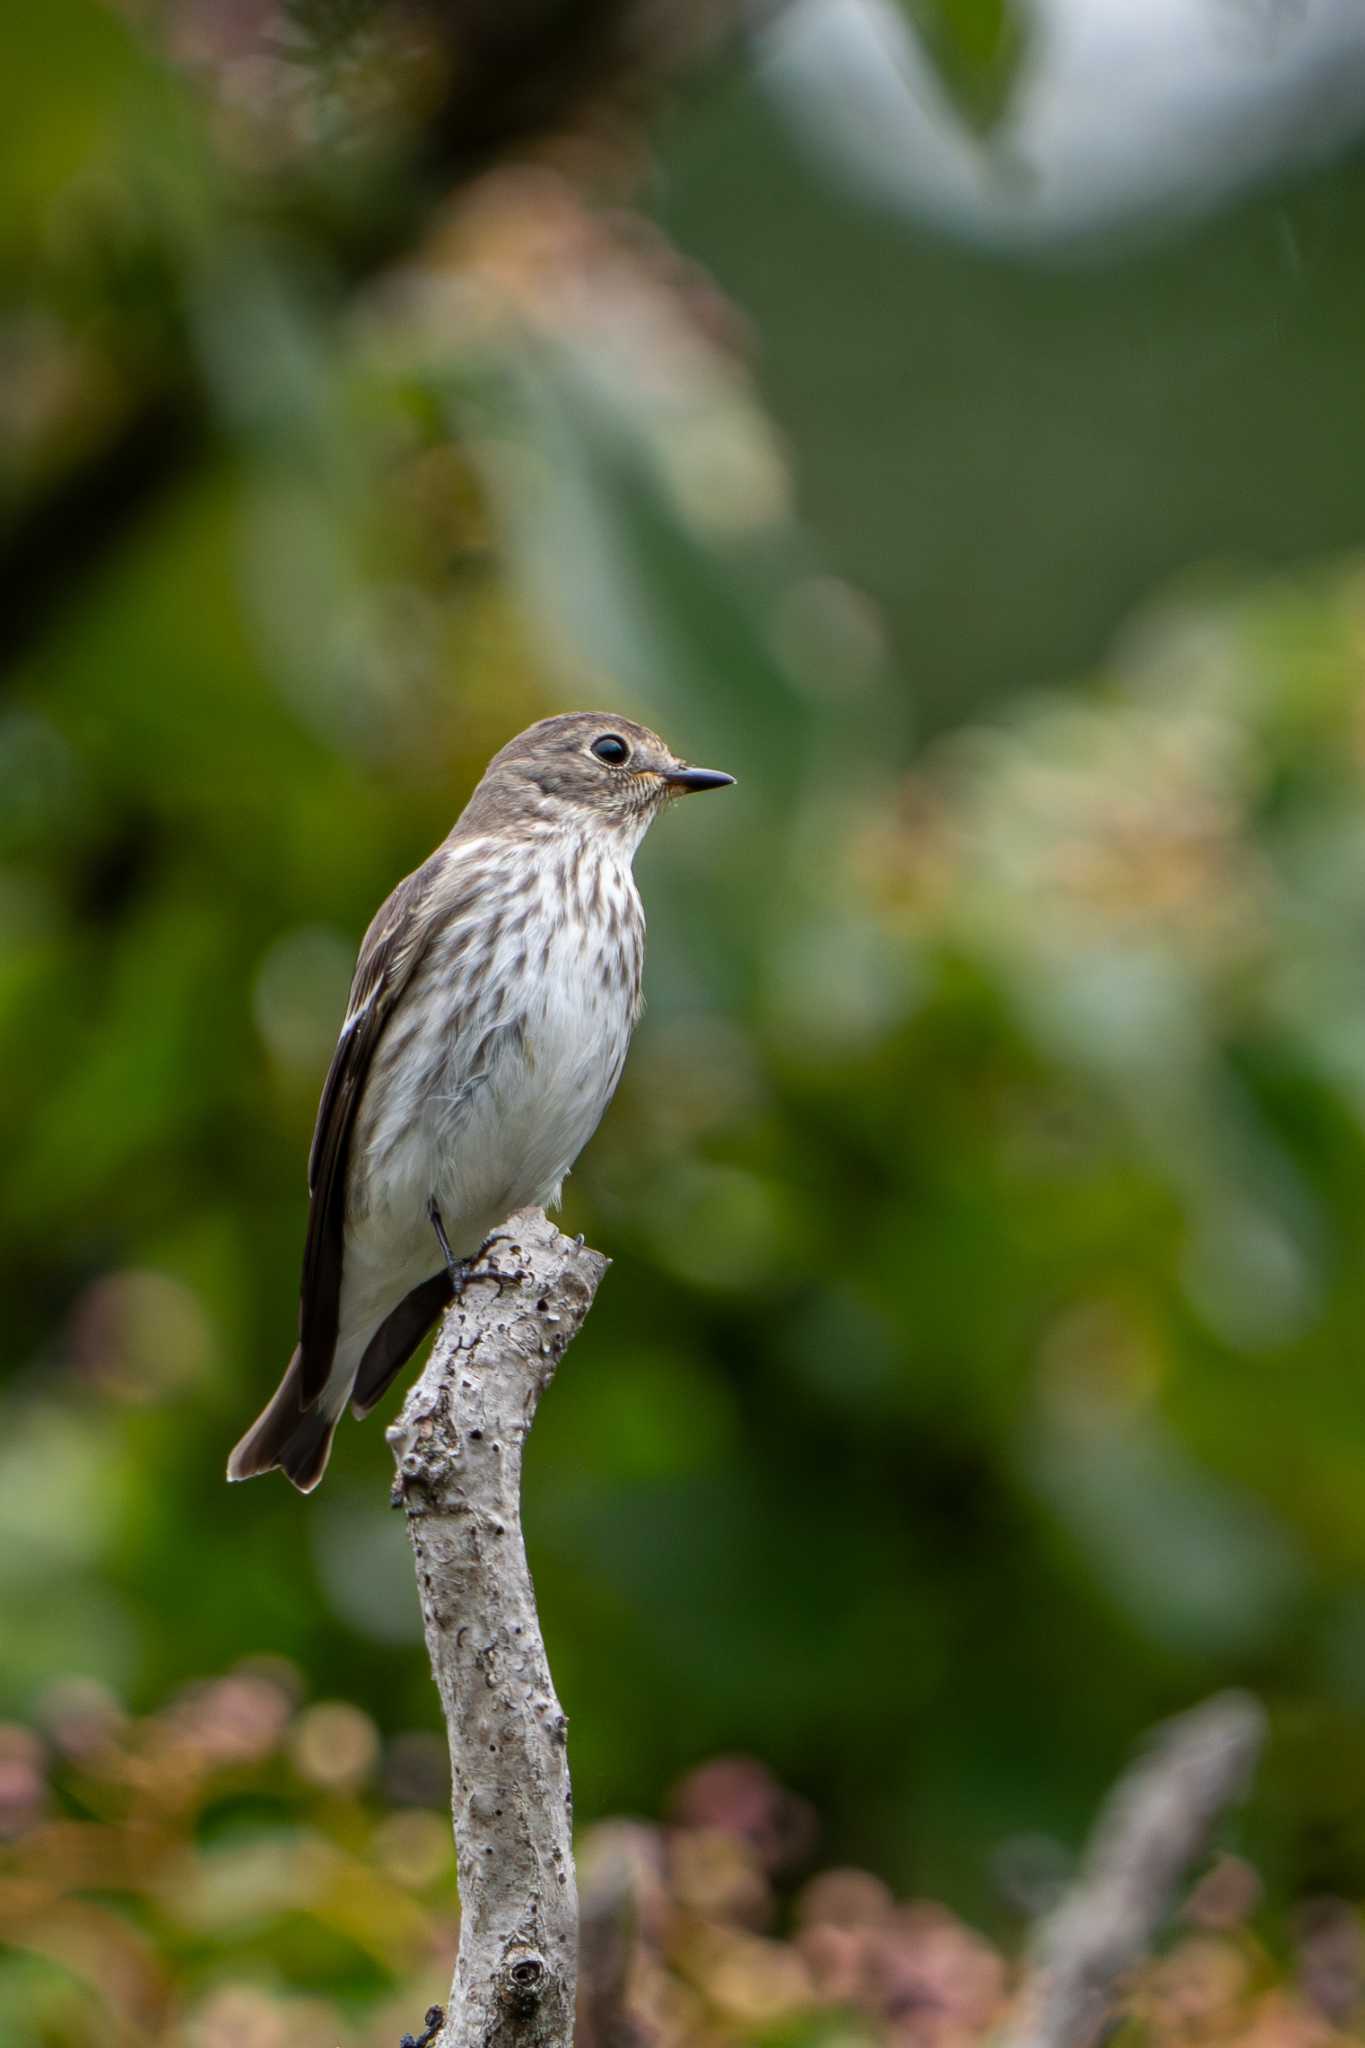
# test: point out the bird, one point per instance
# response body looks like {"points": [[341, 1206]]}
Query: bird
{"points": [[492, 1007]]}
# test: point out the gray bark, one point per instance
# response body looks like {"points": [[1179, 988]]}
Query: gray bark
{"points": [[1156, 1820], [458, 1447]]}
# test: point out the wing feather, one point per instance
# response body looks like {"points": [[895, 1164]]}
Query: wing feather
{"points": [[390, 950]]}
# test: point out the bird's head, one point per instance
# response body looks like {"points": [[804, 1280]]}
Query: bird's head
{"points": [[584, 770]]}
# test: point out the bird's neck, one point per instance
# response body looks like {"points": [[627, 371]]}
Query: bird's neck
{"points": [[592, 842]]}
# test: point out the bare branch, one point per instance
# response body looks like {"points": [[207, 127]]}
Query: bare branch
{"points": [[458, 1447], [609, 1911], [1155, 1822]]}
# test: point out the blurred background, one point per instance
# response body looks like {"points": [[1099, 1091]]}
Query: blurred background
{"points": [[950, 418]]}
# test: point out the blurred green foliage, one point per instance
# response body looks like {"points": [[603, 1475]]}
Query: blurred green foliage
{"points": [[978, 1376]]}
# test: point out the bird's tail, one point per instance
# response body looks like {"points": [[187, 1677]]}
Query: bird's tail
{"points": [[286, 1436]]}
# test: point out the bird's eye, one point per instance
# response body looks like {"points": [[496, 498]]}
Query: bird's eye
{"points": [[611, 748]]}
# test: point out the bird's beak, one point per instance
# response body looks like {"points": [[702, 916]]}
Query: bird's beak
{"points": [[684, 780]]}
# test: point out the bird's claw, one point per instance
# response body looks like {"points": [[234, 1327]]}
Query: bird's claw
{"points": [[479, 1270], [482, 1267], [434, 2022]]}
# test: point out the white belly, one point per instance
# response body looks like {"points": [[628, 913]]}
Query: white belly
{"points": [[492, 1103], [510, 1140]]}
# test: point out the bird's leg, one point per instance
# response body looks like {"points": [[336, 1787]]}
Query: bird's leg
{"points": [[480, 1267], [458, 1269]]}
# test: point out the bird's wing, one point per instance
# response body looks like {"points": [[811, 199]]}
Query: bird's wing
{"points": [[390, 950]]}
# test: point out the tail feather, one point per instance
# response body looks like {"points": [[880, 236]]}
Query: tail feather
{"points": [[287, 1437], [397, 1337]]}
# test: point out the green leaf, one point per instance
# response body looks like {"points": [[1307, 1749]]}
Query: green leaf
{"points": [[976, 47]]}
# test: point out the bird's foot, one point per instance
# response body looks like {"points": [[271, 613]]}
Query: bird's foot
{"points": [[435, 2021], [480, 1267], [483, 1267]]}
